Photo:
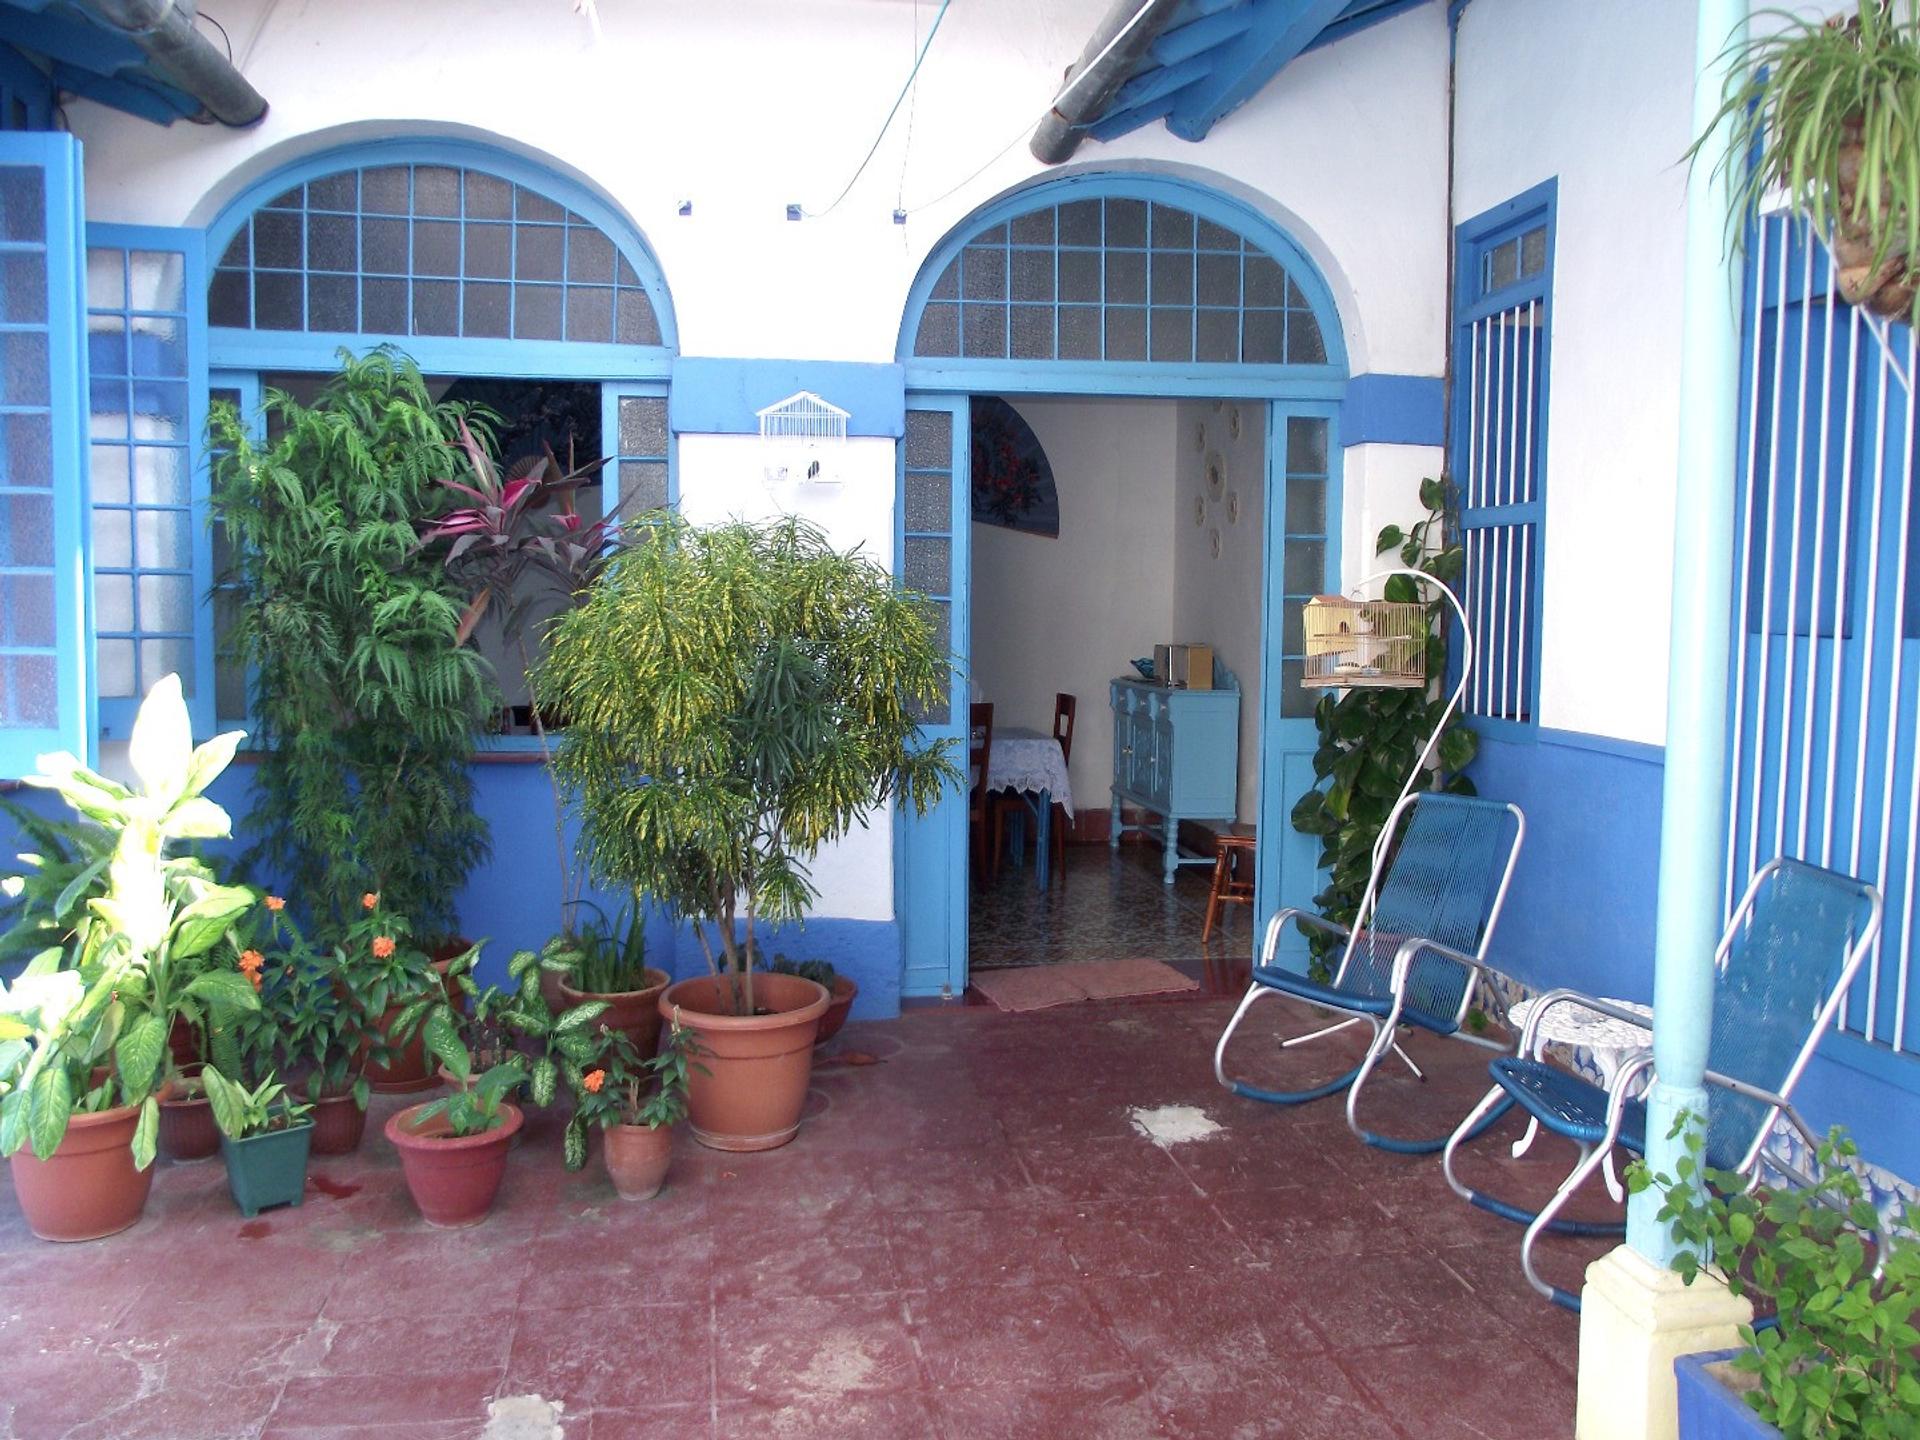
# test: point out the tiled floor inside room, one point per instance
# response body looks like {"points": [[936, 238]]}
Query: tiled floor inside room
{"points": [[1110, 905], [970, 1238]]}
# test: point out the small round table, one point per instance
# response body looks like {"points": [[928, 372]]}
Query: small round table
{"points": [[1607, 1039]]}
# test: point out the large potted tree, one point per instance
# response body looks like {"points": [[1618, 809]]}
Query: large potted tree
{"points": [[740, 696]]}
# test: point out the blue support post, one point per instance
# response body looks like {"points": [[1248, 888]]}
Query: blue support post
{"points": [[1693, 801]]}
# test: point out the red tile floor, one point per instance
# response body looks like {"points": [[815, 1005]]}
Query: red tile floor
{"points": [[969, 1239]]}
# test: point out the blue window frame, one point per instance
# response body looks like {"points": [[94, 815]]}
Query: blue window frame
{"points": [[1503, 293], [147, 392], [45, 698]]}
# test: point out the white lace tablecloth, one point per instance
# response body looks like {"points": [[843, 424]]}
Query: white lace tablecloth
{"points": [[1029, 760], [1607, 1040]]}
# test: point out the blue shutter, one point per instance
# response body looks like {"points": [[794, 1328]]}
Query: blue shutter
{"points": [[44, 692], [147, 394]]}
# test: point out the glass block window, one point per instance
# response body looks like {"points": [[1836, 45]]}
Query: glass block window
{"points": [[927, 540], [1122, 279], [29, 563], [641, 473], [418, 249], [141, 464], [1307, 452]]}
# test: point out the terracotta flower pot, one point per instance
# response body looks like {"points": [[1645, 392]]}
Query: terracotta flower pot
{"points": [[88, 1188], [182, 1044], [748, 1085], [519, 1092], [452, 1178], [637, 1159], [187, 1130], [844, 991], [637, 1012], [338, 1124], [409, 1070]]}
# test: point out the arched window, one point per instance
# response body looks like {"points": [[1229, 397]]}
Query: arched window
{"points": [[1118, 277], [408, 248]]}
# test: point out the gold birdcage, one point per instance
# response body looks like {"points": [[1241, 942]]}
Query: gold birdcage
{"points": [[1371, 644]]}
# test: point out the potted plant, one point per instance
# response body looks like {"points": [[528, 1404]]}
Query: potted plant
{"points": [[768, 687], [391, 981], [453, 1150], [368, 707], [1843, 1358], [264, 1134], [637, 1100], [83, 1029], [609, 965], [842, 989], [1828, 106], [188, 1131]]}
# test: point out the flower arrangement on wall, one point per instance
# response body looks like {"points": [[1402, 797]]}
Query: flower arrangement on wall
{"points": [[1012, 479]]}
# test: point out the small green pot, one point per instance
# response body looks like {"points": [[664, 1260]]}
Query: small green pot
{"points": [[268, 1169]]}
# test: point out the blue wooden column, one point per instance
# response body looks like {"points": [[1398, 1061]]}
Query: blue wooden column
{"points": [[1692, 831]]}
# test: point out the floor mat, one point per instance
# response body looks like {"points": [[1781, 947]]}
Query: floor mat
{"points": [[1040, 986]]}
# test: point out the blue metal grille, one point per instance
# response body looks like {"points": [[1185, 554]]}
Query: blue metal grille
{"points": [[415, 249], [1122, 279], [143, 416]]}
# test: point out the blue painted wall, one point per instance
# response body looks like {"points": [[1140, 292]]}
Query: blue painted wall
{"points": [[511, 900], [1581, 911]]}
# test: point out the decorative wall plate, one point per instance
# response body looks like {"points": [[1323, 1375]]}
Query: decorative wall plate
{"points": [[1216, 475], [1233, 507], [1213, 542], [1218, 406], [1233, 422], [1199, 510]]}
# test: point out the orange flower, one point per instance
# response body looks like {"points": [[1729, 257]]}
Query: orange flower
{"points": [[593, 1080], [251, 961], [275, 903], [369, 900], [382, 946]]}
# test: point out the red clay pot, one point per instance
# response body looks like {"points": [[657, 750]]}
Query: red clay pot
{"points": [[182, 1044], [410, 1071], [749, 1083], [88, 1188], [844, 991], [637, 1012], [453, 1179], [338, 1124], [637, 1158], [187, 1130]]}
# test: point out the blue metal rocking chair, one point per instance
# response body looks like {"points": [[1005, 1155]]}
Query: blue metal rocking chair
{"points": [[1776, 992], [1416, 951]]}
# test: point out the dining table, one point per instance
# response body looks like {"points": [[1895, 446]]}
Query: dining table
{"points": [[1031, 764]]}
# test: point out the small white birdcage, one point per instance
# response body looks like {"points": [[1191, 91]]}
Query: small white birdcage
{"points": [[1356, 644], [802, 437]]}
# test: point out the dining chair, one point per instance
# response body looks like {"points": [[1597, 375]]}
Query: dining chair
{"points": [[979, 747], [1002, 804]]}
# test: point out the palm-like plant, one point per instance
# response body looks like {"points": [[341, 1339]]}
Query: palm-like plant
{"points": [[737, 698]]}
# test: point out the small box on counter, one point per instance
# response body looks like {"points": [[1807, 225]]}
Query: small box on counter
{"points": [[1186, 667]]}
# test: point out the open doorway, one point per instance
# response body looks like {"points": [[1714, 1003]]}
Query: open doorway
{"points": [[1103, 528]]}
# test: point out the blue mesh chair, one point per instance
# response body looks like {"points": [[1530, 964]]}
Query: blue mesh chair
{"points": [[1781, 970], [1416, 952]]}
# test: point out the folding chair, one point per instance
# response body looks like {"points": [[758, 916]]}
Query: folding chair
{"points": [[1772, 1001], [1416, 951]]}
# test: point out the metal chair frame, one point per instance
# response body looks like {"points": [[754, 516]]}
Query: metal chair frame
{"points": [[1592, 1156], [1385, 1026]]}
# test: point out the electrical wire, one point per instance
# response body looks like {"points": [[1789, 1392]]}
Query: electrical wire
{"points": [[228, 39], [873, 149], [913, 105]]}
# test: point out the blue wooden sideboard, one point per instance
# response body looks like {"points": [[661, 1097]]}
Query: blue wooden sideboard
{"points": [[1176, 753]]}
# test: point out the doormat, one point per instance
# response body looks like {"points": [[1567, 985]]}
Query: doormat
{"points": [[1037, 987]]}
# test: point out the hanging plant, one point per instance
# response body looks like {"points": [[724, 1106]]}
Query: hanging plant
{"points": [[1828, 111]]}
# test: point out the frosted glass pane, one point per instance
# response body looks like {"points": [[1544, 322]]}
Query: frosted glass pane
{"points": [[1172, 334], [983, 274], [939, 332], [332, 242], [112, 539], [29, 696], [487, 309], [28, 456], [1080, 223], [113, 660], [929, 440], [1032, 332], [436, 247], [489, 252], [1079, 275], [643, 486], [23, 368], [536, 312], [1266, 282], [1216, 237], [1172, 228], [1126, 278], [489, 196], [113, 602], [947, 287], [111, 482], [1126, 334], [159, 409], [1264, 337], [164, 539], [383, 246], [927, 565], [26, 610], [159, 348], [1127, 222], [634, 321], [589, 256], [1306, 566], [1033, 228], [276, 302], [1296, 701], [334, 192], [23, 288], [333, 302], [276, 241], [1079, 332], [929, 501], [383, 307], [589, 314], [166, 602], [1173, 279], [23, 203], [1033, 275], [436, 190], [436, 307], [1306, 445], [159, 658], [1533, 252], [384, 190], [1219, 279], [160, 475], [538, 252], [26, 531], [643, 425], [1218, 336], [984, 332], [1306, 507], [1304, 343]]}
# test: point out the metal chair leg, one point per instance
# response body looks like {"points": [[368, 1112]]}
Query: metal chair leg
{"points": [[1383, 1042], [1273, 1097], [1477, 1121], [1545, 1220]]}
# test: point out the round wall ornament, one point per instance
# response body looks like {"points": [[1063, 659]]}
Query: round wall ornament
{"points": [[1216, 475], [1213, 542], [1233, 422], [1233, 507], [1199, 510]]}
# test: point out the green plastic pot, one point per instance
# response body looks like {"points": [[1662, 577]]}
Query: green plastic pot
{"points": [[268, 1169]]}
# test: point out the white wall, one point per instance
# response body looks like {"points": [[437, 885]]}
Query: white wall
{"points": [[1612, 124], [1069, 613], [1217, 598]]}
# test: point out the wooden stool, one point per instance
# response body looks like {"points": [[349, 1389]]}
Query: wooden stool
{"points": [[1232, 875]]}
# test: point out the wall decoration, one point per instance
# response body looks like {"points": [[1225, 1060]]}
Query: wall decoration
{"points": [[1199, 436], [1012, 478], [1213, 542], [1216, 475], [1233, 507], [1233, 422], [1199, 510]]}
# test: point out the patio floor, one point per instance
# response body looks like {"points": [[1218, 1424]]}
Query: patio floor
{"points": [[969, 1239]]}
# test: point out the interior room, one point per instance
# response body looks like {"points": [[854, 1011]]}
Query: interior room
{"points": [[1102, 528]]}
